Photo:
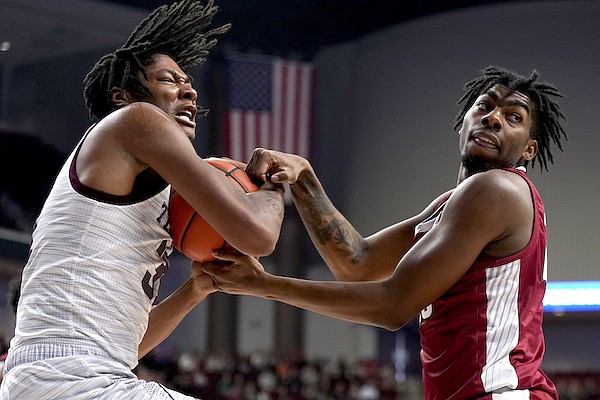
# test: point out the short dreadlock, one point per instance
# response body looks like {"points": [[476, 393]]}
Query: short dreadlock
{"points": [[546, 116], [177, 30]]}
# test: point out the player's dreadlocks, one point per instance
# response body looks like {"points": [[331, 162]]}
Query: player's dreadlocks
{"points": [[177, 30], [546, 116]]}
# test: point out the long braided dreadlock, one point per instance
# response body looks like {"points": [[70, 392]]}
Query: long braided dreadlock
{"points": [[177, 30], [546, 115]]}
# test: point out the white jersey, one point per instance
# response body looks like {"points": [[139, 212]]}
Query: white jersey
{"points": [[81, 378], [93, 273]]}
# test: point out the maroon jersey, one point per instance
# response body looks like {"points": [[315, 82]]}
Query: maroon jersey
{"points": [[483, 339]]}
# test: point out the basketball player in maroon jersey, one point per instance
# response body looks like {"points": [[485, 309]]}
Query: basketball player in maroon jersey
{"points": [[471, 264]]}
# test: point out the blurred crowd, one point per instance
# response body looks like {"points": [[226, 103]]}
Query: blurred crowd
{"points": [[260, 376], [578, 386]]}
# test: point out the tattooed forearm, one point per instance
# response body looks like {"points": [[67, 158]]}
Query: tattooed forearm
{"points": [[324, 222], [276, 201], [311, 201], [347, 241]]}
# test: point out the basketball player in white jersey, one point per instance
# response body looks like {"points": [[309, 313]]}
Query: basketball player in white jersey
{"points": [[101, 243], [472, 264]]}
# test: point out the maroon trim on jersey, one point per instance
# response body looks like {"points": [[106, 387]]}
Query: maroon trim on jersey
{"points": [[538, 211], [143, 188]]}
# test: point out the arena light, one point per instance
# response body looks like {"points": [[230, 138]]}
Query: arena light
{"points": [[575, 296]]}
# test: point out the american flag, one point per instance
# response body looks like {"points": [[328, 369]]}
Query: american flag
{"points": [[269, 104]]}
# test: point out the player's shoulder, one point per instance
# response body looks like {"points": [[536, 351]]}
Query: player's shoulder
{"points": [[138, 117], [495, 180], [496, 186], [139, 111]]}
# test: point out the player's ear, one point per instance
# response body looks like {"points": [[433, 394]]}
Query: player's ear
{"points": [[120, 97], [530, 149]]}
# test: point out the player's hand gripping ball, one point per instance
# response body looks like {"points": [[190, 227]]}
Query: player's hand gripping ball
{"points": [[191, 234]]}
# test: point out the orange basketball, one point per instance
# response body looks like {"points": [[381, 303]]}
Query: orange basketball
{"points": [[191, 234]]}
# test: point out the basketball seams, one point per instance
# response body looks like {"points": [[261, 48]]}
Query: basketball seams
{"points": [[185, 231], [231, 173], [191, 234], [236, 180]]}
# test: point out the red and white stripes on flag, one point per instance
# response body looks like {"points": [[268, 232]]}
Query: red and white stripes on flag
{"points": [[269, 104]]}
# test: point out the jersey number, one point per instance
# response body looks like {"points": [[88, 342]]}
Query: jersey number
{"points": [[426, 313], [149, 283]]}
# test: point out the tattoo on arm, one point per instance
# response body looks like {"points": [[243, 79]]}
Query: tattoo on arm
{"points": [[322, 218], [348, 242], [276, 202]]}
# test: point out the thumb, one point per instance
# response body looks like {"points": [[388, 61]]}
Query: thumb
{"points": [[228, 254], [283, 176]]}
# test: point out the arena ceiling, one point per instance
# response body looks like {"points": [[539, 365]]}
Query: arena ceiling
{"points": [[37, 30], [304, 26]]}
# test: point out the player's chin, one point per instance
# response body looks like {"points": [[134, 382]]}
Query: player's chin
{"points": [[478, 163], [188, 127], [190, 132]]}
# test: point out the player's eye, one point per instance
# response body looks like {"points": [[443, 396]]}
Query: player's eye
{"points": [[516, 117], [483, 105]]}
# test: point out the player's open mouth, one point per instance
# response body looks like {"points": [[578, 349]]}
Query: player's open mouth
{"points": [[186, 117], [485, 143], [483, 140], [185, 114]]}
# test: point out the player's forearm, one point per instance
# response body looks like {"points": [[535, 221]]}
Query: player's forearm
{"points": [[167, 315], [336, 240], [262, 227], [371, 303]]}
